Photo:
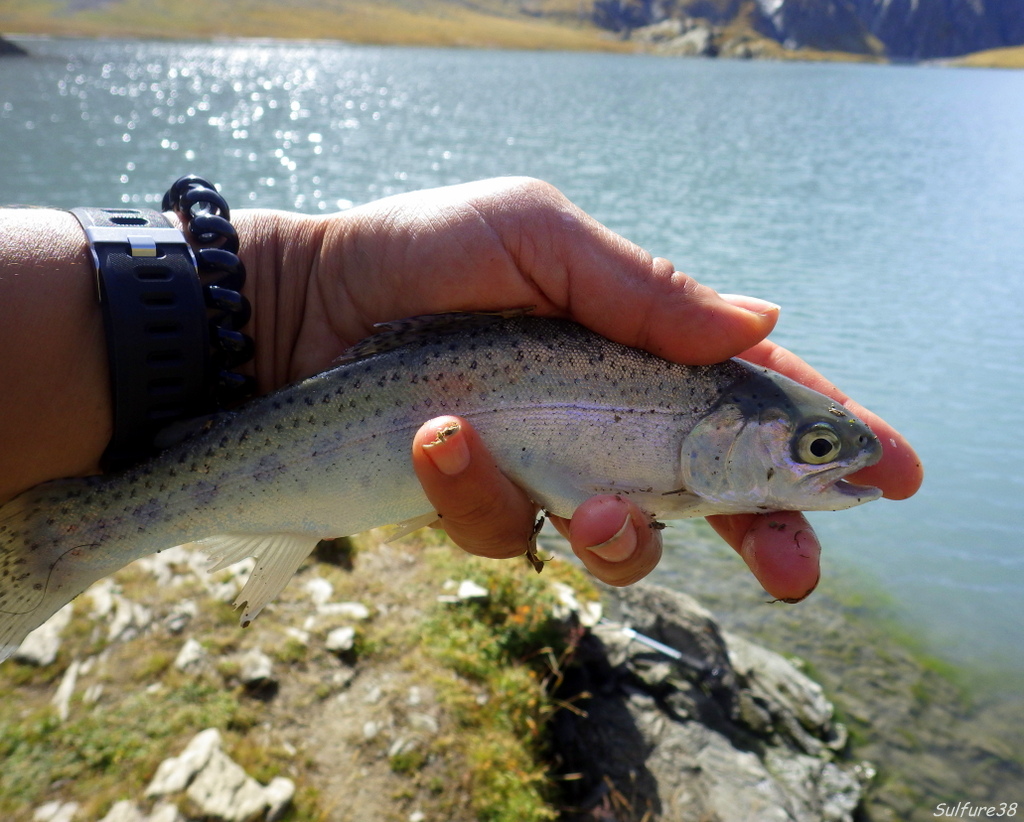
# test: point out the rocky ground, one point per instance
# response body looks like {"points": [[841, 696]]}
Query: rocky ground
{"points": [[408, 682]]}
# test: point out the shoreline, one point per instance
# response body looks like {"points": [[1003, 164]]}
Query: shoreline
{"points": [[535, 34], [717, 577], [932, 727]]}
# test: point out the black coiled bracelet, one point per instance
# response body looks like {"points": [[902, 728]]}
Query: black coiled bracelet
{"points": [[222, 274], [173, 316]]}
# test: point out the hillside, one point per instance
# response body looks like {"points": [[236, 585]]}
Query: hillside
{"points": [[903, 30], [1011, 57], [531, 24]]}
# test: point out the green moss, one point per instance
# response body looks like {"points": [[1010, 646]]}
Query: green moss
{"points": [[102, 755], [507, 784], [407, 762], [291, 652], [498, 658]]}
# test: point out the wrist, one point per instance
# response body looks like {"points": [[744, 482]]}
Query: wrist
{"points": [[280, 251]]}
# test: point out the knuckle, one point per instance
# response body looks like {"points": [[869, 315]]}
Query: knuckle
{"points": [[488, 529]]}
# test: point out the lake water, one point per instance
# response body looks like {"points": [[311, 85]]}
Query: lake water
{"points": [[883, 207]]}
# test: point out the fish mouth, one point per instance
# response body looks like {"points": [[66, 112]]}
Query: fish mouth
{"points": [[862, 493], [834, 492]]}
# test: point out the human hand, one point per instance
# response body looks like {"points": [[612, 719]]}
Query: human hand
{"points": [[512, 243]]}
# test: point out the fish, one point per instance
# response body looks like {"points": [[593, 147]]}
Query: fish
{"points": [[566, 414]]}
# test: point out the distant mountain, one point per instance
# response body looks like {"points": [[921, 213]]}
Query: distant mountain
{"points": [[942, 28], [899, 29]]}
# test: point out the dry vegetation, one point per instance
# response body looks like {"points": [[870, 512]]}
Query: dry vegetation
{"points": [[541, 24], [1008, 58]]}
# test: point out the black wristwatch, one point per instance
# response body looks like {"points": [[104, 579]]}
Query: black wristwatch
{"points": [[156, 326]]}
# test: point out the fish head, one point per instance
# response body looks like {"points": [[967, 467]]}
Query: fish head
{"points": [[771, 444]]}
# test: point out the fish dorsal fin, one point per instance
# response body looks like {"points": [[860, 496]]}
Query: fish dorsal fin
{"points": [[182, 430], [394, 334], [278, 557]]}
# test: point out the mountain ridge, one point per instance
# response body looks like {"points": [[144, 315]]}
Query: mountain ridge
{"points": [[895, 30]]}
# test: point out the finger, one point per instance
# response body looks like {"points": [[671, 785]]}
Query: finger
{"points": [[481, 509], [581, 269], [665, 311], [614, 539], [780, 548], [899, 473]]}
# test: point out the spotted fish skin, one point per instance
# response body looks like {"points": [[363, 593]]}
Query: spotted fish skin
{"points": [[566, 414]]}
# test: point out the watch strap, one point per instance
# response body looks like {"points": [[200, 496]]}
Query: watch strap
{"points": [[155, 318]]}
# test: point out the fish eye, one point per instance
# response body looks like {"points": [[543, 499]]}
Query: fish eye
{"points": [[818, 445]]}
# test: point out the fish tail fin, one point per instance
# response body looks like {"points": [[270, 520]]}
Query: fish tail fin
{"points": [[39, 568]]}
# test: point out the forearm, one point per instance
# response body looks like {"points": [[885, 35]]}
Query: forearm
{"points": [[55, 398], [55, 412]]}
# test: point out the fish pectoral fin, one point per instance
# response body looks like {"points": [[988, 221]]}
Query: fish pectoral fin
{"points": [[278, 557], [406, 527]]}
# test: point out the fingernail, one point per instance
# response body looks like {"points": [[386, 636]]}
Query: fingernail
{"points": [[752, 304], [449, 452], [621, 546]]}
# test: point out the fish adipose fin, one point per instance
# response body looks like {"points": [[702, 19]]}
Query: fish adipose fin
{"points": [[278, 557]]}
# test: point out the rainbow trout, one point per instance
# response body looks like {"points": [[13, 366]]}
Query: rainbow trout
{"points": [[566, 413]]}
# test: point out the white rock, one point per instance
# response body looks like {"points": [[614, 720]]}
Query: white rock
{"points": [[278, 795], [401, 745], [216, 786], [470, 590], [124, 811], [92, 693], [256, 667], [184, 612], [349, 610], [55, 812], [165, 812], [588, 614], [776, 680], [341, 639], [298, 634], [223, 790], [62, 697], [175, 774], [423, 722], [130, 620], [40, 647], [102, 596], [343, 676], [191, 656], [319, 590], [162, 565]]}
